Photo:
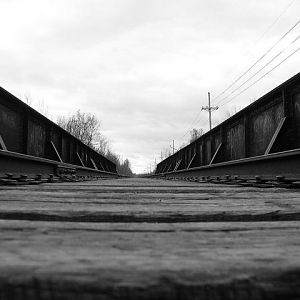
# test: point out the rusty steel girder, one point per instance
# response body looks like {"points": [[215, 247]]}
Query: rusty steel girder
{"points": [[29, 142], [261, 139]]}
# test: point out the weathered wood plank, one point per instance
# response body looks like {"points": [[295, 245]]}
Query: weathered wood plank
{"points": [[147, 201], [164, 250], [151, 259]]}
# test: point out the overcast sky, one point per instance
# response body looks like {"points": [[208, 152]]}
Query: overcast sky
{"points": [[144, 67]]}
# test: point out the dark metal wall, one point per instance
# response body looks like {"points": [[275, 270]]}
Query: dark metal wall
{"points": [[262, 125], [269, 125], [24, 130], [296, 117]]}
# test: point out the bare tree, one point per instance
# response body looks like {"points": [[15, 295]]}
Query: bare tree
{"points": [[28, 99], [38, 105], [86, 127], [42, 108], [195, 134], [101, 144], [122, 167], [83, 126], [166, 152]]}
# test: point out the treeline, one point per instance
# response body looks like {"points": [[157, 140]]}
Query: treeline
{"points": [[86, 127]]}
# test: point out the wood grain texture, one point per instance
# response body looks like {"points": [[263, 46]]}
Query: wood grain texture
{"points": [[148, 239]]}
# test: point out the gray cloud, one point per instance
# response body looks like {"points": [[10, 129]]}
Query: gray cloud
{"points": [[143, 67]]}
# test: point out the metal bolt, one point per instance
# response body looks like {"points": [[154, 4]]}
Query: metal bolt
{"points": [[23, 178], [258, 178], [38, 177], [280, 178]]}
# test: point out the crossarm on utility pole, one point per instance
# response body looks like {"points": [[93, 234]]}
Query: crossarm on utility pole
{"points": [[209, 109]]}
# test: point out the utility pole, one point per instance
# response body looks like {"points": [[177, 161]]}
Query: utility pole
{"points": [[173, 147], [209, 109], [161, 155]]}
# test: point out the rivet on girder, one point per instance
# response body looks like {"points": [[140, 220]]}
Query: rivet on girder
{"points": [[280, 178], [23, 178], [258, 178], [38, 177]]}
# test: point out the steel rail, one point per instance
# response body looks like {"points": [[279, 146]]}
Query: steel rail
{"points": [[285, 164], [17, 164]]}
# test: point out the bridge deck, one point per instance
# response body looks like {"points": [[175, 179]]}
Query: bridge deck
{"points": [[149, 239]]}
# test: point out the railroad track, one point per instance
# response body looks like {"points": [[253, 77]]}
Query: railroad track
{"points": [[224, 225], [277, 169], [20, 169]]}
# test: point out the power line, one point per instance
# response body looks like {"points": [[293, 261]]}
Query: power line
{"points": [[260, 78], [262, 68], [275, 67], [191, 125], [252, 66], [257, 61], [267, 30], [207, 108], [276, 20]]}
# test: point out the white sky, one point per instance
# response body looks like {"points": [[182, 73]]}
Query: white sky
{"points": [[143, 67]]}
